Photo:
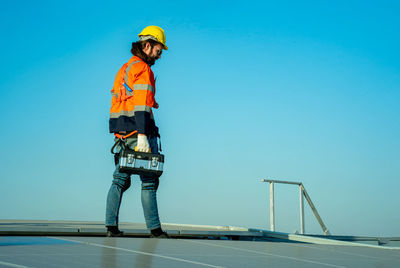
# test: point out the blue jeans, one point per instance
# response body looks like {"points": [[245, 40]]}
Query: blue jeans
{"points": [[122, 181]]}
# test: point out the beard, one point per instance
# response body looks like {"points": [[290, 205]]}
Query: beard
{"points": [[151, 60], [137, 51]]}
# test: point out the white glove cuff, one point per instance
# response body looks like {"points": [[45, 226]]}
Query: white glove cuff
{"points": [[143, 144]]}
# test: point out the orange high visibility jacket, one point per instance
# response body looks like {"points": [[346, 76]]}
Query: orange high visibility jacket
{"points": [[133, 99]]}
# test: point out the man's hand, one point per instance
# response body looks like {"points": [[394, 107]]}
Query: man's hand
{"points": [[142, 144]]}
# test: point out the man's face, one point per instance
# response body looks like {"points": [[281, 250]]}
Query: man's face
{"points": [[154, 53]]}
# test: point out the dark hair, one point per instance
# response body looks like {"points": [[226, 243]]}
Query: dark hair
{"points": [[137, 50]]}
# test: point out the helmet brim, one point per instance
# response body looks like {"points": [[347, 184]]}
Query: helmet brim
{"points": [[147, 37]]}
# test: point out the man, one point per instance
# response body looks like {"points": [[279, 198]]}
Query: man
{"points": [[131, 118]]}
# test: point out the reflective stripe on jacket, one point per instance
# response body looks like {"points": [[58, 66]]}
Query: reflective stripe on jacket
{"points": [[133, 99]]}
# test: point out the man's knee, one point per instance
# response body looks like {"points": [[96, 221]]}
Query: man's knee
{"points": [[124, 183], [150, 186]]}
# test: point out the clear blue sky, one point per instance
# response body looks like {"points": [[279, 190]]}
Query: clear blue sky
{"points": [[295, 90]]}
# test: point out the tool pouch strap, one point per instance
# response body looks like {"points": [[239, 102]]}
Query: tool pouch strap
{"points": [[119, 142], [122, 144]]}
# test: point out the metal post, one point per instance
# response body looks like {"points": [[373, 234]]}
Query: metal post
{"points": [[271, 206], [302, 230]]}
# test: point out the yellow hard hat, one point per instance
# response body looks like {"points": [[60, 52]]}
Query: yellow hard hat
{"points": [[155, 33]]}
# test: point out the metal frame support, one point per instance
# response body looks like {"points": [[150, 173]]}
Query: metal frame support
{"points": [[303, 193], [271, 207], [326, 232], [302, 228]]}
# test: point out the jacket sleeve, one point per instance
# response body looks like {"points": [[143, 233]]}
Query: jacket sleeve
{"points": [[144, 99]]}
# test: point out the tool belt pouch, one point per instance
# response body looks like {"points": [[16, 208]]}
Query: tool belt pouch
{"points": [[140, 163]]}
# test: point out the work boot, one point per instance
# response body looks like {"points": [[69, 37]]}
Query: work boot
{"points": [[158, 233], [113, 231], [163, 235]]}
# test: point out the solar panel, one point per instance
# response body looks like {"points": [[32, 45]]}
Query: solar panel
{"points": [[139, 251]]}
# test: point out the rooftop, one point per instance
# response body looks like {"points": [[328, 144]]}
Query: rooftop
{"points": [[83, 244]]}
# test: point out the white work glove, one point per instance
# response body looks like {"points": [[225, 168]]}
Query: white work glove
{"points": [[142, 144]]}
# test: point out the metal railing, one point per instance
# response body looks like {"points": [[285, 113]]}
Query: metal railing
{"points": [[303, 193]]}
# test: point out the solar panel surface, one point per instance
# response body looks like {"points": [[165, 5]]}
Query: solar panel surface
{"points": [[212, 248]]}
